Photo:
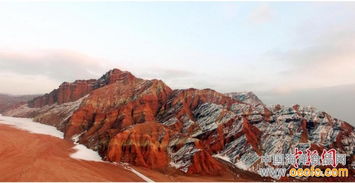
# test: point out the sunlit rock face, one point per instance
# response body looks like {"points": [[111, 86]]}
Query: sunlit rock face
{"points": [[67, 92], [145, 123], [115, 107]]}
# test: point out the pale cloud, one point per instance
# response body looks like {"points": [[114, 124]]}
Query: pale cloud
{"points": [[230, 10], [319, 71], [323, 62], [23, 84], [165, 73], [174, 78], [261, 14], [41, 71], [58, 65]]}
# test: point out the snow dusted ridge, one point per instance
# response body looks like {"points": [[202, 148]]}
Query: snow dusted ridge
{"points": [[246, 97], [29, 125]]}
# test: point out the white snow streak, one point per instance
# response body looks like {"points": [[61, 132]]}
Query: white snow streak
{"points": [[27, 124], [84, 153], [222, 157], [140, 175], [33, 127], [127, 167]]}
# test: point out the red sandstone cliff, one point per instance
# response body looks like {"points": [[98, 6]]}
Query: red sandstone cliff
{"points": [[69, 92]]}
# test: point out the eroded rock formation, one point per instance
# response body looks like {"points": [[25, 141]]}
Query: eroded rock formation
{"points": [[146, 123]]}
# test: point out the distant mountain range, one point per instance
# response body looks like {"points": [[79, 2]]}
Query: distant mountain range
{"points": [[188, 131], [7, 101]]}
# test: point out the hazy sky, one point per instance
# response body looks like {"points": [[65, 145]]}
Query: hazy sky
{"points": [[274, 49]]}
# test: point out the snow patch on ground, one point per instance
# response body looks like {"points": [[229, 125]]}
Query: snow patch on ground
{"points": [[84, 153], [29, 125], [127, 167]]}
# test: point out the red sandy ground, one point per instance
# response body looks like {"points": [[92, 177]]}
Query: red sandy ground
{"points": [[34, 157], [27, 157], [171, 176]]}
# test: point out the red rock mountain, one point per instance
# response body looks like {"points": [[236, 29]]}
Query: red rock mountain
{"points": [[146, 123]]}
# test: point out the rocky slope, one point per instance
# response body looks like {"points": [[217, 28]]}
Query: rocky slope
{"points": [[246, 97], [145, 123]]}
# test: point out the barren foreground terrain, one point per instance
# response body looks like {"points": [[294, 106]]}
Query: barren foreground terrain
{"points": [[28, 157], [34, 157]]}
